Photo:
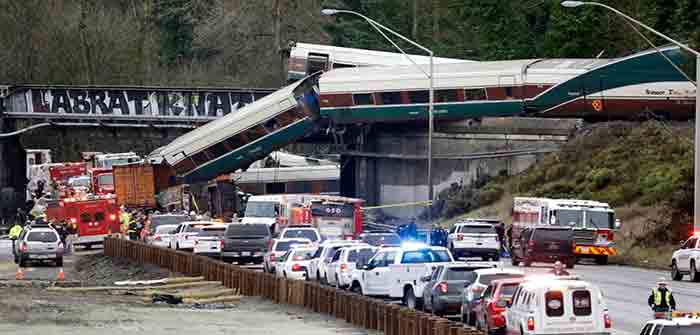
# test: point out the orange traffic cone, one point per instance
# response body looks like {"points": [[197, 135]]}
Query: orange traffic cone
{"points": [[61, 275], [19, 275]]}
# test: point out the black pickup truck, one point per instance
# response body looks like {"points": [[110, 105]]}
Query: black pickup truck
{"points": [[545, 244], [246, 242]]}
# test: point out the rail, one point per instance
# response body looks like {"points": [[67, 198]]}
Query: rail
{"points": [[361, 311]]}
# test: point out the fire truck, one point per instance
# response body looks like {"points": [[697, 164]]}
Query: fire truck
{"points": [[334, 217], [62, 174], [94, 217], [593, 223]]}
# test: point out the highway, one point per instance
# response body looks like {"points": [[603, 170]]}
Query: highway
{"points": [[625, 288]]}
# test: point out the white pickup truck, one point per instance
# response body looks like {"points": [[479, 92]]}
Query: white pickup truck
{"points": [[396, 272], [686, 260]]}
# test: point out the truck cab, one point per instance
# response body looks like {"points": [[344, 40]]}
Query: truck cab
{"points": [[102, 181], [396, 272]]}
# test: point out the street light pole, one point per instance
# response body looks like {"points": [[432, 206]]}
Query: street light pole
{"points": [[431, 92], [696, 183]]}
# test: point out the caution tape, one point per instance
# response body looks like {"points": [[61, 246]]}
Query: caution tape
{"points": [[598, 251], [419, 203]]}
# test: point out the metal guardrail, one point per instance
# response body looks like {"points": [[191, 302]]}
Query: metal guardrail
{"points": [[361, 311]]}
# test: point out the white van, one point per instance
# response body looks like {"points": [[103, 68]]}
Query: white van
{"points": [[557, 305]]}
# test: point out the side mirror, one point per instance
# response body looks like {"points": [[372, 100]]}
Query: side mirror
{"points": [[425, 278], [617, 223], [682, 242], [509, 303]]}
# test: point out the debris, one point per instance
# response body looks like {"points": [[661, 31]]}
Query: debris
{"points": [[166, 298], [139, 288], [171, 280]]}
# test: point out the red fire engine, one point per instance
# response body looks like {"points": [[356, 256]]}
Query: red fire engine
{"points": [[333, 216], [95, 217]]}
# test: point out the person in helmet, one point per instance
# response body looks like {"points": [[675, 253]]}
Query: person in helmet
{"points": [[661, 299]]}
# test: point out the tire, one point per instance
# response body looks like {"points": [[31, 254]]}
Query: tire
{"points": [[471, 319], [284, 274], [337, 281], [675, 273], [59, 262], [514, 261], [602, 260], [318, 276], [410, 299], [307, 276], [325, 280], [571, 263], [356, 288], [527, 263], [22, 262], [497, 258], [694, 274]]}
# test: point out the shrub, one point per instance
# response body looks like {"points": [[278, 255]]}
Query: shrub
{"points": [[600, 177]]}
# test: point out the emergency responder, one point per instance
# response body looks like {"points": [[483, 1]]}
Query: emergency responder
{"points": [[15, 231], [559, 269], [501, 232], [124, 219], [661, 299]]}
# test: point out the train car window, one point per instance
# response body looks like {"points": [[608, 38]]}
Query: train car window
{"points": [[363, 99], [255, 133], [418, 97], [445, 95], [235, 142], [245, 98], [391, 98], [200, 158], [342, 65], [219, 149], [316, 62], [474, 94], [509, 92]]}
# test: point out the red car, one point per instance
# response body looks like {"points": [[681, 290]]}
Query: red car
{"points": [[489, 313]]}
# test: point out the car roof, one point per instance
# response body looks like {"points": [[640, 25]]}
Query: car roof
{"points": [[675, 322], [304, 248], [40, 229], [292, 239], [299, 228], [507, 281], [359, 246], [189, 223], [553, 281], [474, 224], [484, 265], [489, 271]]}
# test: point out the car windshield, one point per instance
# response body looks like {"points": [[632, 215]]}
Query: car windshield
{"points": [[240, 229], [567, 217], [301, 233], [598, 219], [212, 231], [684, 330], [382, 239], [507, 290], [83, 181], [488, 278], [261, 209], [42, 236], [303, 254], [165, 229], [476, 229], [425, 256], [361, 255], [286, 245], [105, 179], [458, 273], [159, 220]]}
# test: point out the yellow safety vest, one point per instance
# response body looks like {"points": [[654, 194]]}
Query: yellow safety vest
{"points": [[15, 231], [658, 297]]}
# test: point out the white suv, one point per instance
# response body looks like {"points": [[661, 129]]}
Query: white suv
{"points": [[318, 266], [679, 325], [686, 260], [474, 239], [560, 305]]}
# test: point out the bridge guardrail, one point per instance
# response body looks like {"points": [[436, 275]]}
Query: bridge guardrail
{"points": [[361, 311]]}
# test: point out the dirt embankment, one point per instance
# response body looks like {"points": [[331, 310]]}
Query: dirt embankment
{"points": [[100, 270]]}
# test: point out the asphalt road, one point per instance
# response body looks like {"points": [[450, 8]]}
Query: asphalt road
{"points": [[625, 288]]}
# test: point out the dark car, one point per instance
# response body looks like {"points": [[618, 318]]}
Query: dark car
{"points": [[490, 314], [381, 239], [545, 244], [443, 291], [246, 242]]}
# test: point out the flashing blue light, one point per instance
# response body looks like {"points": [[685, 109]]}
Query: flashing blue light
{"points": [[413, 245]]}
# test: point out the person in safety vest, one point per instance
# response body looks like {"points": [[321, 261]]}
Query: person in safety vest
{"points": [[124, 219], [661, 298], [15, 231]]}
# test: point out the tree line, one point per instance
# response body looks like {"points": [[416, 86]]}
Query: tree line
{"points": [[243, 43]]}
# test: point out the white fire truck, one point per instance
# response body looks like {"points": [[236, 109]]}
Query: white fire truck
{"points": [[593, 223]]}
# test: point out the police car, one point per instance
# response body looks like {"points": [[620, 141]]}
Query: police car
{"points": [[676, 324]]}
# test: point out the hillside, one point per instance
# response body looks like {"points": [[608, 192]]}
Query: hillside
{"points": [[644, 170]]}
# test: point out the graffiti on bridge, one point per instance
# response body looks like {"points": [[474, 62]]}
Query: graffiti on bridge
{"points": [[136, 103]]}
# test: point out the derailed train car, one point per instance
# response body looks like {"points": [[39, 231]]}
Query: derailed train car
{"points": [[239, 139]]}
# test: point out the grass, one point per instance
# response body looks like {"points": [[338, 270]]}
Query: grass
{"points": [[645, 171]]}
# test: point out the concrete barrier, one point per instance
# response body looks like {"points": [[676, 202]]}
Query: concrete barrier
{"points": [[361, 311]]}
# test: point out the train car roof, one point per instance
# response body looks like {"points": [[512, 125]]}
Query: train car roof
{"points": [[357, 56], [225, 127]]}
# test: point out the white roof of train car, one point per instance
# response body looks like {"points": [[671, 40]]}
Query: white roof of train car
{"points": [[365, 57], [233, 123]]}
